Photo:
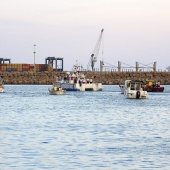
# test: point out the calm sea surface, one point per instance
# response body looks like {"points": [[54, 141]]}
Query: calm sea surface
{"points": [[83, 130]]}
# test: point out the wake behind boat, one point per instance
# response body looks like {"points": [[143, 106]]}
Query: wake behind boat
{"points": [[122, 86]]}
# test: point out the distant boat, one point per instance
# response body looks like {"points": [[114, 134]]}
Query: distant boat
{"points": [[57, 89], [77, 81], [2, 88], [151, 87]]}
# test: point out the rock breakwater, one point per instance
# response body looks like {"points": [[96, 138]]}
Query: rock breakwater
{"points": [[107, 78]]}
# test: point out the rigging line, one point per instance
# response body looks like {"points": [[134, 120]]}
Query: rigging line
{"points": [[127, 64], [147, 64], [110, 64]]}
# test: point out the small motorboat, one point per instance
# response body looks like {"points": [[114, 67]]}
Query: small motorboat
{"points": [[2, 88], [151, 87], [57, 89], [134, 90]]}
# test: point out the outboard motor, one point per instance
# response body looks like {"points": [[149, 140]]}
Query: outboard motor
{"points": [[138, 94]]}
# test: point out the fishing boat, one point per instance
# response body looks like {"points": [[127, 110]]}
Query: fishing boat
{"points": [[135, 90], [57, 89], [77, 81], [151, 87]]}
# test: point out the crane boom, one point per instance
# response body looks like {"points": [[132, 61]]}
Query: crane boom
{"points": [[95, 53]]}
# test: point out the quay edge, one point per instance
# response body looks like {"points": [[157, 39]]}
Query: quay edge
{"points": [[106, 78]]}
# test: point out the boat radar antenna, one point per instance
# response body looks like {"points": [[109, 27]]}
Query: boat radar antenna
{"points": [[95, 53]]}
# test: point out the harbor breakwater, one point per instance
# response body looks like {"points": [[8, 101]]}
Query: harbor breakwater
{"points": [[107, 78]]}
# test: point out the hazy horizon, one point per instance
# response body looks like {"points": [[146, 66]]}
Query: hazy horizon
{"points": [[133, 31]]}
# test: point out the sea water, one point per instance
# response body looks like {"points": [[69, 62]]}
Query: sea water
{"points": [[83, 130]]}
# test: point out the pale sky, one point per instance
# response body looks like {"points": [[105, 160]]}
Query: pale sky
{"points": [[134, 30]]}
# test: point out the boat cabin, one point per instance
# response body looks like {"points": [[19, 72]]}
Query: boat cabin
{"points": [[136, 85]]}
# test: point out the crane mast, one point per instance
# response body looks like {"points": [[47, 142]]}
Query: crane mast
{"points": [[95, 53]]}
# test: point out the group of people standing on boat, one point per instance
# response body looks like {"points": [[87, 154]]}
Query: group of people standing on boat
{"points": [[153, 84], [76, 77]]}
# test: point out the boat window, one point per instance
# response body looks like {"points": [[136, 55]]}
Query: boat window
{"points": [[137, 86], [132, 87]]}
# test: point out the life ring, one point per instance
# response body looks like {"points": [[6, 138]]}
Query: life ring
{"points": [[138, 94]]}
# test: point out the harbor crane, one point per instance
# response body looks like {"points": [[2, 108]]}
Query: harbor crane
{"points": [[95, 53]]}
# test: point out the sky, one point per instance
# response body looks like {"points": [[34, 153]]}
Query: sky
{"points": [[134, 31]]}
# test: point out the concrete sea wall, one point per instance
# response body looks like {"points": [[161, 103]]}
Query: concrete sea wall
{"points": [[107, 78]]}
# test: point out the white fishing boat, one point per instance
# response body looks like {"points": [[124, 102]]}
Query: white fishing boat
{"points": [[134, 90], [57, 89], [2, 88], [77, 81]]}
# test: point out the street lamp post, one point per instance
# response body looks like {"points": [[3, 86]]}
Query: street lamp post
{"points": [[34, 59]]}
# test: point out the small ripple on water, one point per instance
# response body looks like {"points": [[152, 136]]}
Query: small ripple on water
{"points": [[89, 130]]}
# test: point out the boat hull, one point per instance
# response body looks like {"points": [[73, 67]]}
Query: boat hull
{"points": [[154, 89], [56, 92], [82, 87], [133, 94]]}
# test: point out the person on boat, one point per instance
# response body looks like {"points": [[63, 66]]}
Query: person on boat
{"points": [[65, 78], [80, 82], [68, 78], [84, 81], [158, 84], [75, 80], [91, 81]]}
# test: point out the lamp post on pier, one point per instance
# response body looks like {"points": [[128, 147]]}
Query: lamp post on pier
{"points": [[34, 58]]}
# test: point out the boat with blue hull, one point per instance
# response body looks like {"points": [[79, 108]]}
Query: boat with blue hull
{"points": [[78, 82]]}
